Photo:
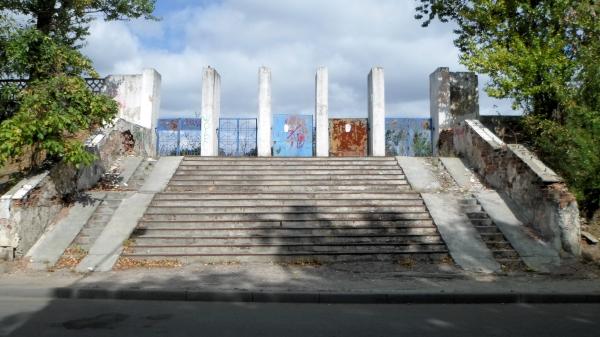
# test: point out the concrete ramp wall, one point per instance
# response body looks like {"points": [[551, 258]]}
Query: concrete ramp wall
{"points": [[540, 194]]}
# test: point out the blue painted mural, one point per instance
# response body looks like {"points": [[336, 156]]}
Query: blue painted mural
{"points": [[408, 137], [292, 136], [178, 136]]}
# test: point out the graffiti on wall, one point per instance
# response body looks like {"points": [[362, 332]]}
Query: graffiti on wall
{"points": [[348, 137], [178, 136], [408, 137], [292, 135]]}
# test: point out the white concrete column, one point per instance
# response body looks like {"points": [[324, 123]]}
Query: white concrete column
{"points": [[150, 103], [322, 111], [264, 113], [211, 112], [439, 104], [376, 83]]}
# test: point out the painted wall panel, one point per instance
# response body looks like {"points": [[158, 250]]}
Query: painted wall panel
{"points": [[408, 137], [292, 135], [348, 137]]}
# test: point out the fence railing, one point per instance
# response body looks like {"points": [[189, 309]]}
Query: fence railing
{"points": [[96, 85]]}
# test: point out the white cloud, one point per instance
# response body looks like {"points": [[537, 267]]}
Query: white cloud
{"points": [[293, 38]]}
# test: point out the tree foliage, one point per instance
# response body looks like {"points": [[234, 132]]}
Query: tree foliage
{"points": [[542, 54], [57, 107]]}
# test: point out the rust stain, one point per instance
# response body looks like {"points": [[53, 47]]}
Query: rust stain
{"points": [[348, 144]]}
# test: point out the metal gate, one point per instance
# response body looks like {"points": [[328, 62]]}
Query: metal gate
{"points": [[292, 135], [348, 137], [408, 137], [178, 136], [237, 137]]}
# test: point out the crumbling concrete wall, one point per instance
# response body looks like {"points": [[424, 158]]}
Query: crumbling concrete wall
{"points": [[540, 194], [33, 204], [453, 98], [138, 97]]}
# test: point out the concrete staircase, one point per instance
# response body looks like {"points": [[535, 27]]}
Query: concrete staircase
{"points": [[288, 210], [493, 238]]}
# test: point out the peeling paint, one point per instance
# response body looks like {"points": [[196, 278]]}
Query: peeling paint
{"points": [[351, 143]]}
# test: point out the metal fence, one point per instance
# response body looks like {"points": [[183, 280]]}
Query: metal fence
{"points": [[237, 137], [96, 85], [178, 136]]}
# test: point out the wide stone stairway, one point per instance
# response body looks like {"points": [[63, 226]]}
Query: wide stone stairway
{"points": [[287, 210]]}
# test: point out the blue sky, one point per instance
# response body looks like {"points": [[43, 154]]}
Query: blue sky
{"points": [[293, 38]]}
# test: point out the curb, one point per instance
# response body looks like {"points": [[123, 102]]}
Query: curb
{"points": [[330, 298]]}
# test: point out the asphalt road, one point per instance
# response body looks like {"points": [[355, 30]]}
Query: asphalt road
{"points": [[50, 317]]}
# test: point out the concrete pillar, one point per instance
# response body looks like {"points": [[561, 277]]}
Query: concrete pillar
{"points": [[453, 97], [211, 112], [150, 98], [264, 112], [321, 111], [376, 83], [439, 104]]}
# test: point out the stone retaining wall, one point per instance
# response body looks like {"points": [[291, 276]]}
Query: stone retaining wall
{"points": [[34, 203], [540, 194]]}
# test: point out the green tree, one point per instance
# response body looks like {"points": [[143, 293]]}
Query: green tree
{"points": [[57, 108], [543, 55]]}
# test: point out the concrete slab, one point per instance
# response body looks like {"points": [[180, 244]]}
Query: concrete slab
{"points": [[161, 174], [459, 172], [107, 248], [462, 239], [419, 174], [51, 245], [129, 165], [536, 254]]}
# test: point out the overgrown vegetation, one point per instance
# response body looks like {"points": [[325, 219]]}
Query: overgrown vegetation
{"points": [[542, 54], [40, 41]]}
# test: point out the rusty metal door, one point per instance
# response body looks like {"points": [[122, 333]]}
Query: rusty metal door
{"points": [[348, 137]]}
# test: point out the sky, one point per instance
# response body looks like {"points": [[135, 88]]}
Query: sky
{"points": [[293, 38]]}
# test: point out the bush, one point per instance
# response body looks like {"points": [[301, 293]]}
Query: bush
{"points": [[572, 149]]}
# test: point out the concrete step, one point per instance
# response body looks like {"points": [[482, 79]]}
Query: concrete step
{"points": [[297, 182], [498, 245], [492, 236], [288, 216], [287, 160], [290, 189], [477, 215], [512, 264], [274, 249], [477, 223], [266, 172], [259, 210], [489, 228], [396, 195], [468, 202], [281, 203], [142, 231], [472, 209], [293, 168], [286, 224], [505, 254], [285, 240], [427, 257], [100, 217]]}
